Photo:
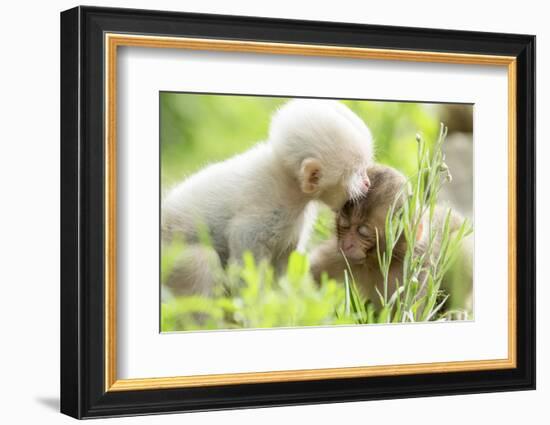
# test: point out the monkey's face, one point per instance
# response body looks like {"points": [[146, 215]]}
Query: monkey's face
{"points": [[352, 186], [357, 225], [361, 223]]}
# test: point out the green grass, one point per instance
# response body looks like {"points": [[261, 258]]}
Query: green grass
{"points": [[254, 298]]}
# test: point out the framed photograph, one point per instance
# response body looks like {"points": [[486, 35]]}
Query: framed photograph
{"points": [[261, 212]]}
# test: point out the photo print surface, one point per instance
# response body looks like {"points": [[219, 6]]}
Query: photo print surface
{"points": [[291, 212]]}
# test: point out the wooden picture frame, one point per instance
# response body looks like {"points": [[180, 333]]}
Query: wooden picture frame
{"points": [[90, 39]]}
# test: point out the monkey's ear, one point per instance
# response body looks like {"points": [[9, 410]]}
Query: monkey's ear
{"points": [[310, 175]]}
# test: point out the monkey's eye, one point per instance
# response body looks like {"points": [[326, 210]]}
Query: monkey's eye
{"points": [[363, 230], [343, 223]]}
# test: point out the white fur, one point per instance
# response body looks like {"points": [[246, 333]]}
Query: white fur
{"points": [[326, 130], [254, 200]]}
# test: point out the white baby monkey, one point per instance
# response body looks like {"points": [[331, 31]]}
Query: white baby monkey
{"points": [[260, 200]]}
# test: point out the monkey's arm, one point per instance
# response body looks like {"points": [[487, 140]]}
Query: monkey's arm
{"points": [[327, 258], [247, 233]]}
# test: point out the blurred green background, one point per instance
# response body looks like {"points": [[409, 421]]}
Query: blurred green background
{"points": [[198, 129]]}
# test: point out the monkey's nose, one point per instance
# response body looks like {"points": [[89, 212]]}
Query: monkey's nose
{"points": [[348, 245], [366, 182]]}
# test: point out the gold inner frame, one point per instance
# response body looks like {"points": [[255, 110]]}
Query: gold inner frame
{"points": [[113, 41]]}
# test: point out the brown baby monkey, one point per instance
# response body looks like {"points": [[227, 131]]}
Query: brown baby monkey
{"points": [[357, 225]]}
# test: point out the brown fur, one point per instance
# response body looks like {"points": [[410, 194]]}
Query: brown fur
{"points": [[369, 214]]}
